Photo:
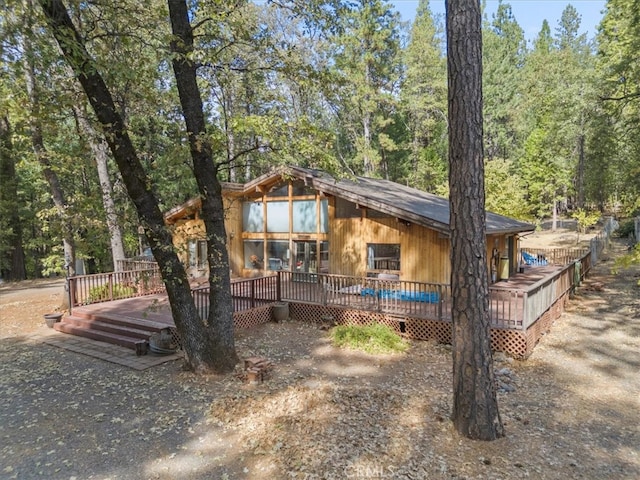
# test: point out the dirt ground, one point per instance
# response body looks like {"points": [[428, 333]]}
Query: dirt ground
{"points": [[571, 411]]}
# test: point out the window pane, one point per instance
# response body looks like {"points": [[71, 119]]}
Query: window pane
{"points": [[252, 217], [253, 253], [324, 257], [278, 255], [304, 216], [191, 253], [383, 256], [324, 216], [299, 188], [376, 214], [279, 191], [278, 217], [202, 254]]}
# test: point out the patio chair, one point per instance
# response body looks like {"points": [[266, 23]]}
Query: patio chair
{"points": [[534, 261]]}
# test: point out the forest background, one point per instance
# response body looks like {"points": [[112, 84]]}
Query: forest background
{"points": [[346, 87]]}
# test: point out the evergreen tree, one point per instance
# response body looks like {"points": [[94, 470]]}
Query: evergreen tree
{"points": [[424, 97], [503, 58], [370, 70]]}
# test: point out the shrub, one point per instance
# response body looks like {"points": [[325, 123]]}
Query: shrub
{"points": [[625, 229], [375, 338], [101, 293]]}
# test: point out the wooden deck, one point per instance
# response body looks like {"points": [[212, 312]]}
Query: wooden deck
{"points": [[418, 310], [155, 307]]}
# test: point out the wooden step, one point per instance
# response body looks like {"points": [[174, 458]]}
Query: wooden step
{"points": [[106, 326], [117, 319], [136, 344]]}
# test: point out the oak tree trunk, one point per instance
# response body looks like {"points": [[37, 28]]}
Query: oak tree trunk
{"points": [[220, 321], [475, 408], [195, 336]]}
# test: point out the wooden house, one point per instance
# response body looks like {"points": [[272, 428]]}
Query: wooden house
{"points": [[304, 220]]}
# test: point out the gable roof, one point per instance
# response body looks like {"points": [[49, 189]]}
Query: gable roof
{"points": [[405, 203]]}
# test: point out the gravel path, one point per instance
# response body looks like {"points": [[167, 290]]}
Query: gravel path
{"points": [[572, 411]]}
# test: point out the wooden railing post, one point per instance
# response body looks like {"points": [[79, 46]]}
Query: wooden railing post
{"points": [[252, 289], [525, 310], [279, 287], [71, 285]]}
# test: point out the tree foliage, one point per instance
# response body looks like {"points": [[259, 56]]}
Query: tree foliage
{"points": [[343, 86]]}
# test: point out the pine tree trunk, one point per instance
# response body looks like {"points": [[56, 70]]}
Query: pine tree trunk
{"points": [[100, 152], [580, 173], [197, 341], [475, 408], [12, 265]]}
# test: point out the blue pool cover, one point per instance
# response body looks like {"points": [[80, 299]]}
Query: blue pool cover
{"points": [[425, 297]]}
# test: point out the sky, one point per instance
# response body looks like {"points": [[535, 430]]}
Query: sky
{"points": [[528, 13]]}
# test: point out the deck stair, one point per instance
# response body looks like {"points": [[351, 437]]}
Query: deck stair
{"points": [[111, 328]]}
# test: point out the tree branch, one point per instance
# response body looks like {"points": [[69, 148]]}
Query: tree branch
{"points": [[623, 97]]}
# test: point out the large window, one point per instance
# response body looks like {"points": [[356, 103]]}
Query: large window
{"points": [[304, 216], [278, 255], [253, 254], [252, 217], [278, 217], [383, 256]]}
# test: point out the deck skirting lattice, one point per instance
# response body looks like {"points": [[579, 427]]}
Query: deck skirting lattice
{"points": [[252, 318], [518, 344]]}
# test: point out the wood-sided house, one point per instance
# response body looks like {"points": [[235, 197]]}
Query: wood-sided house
{"points": [[304, 220]]}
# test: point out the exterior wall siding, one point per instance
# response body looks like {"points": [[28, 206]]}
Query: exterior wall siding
{"points": [[424, 253]]}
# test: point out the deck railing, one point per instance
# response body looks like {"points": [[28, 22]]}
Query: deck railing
{"points": [[557, 256], [542, 295], [127, 264], [515, 308], [246, 294], [386, 296], [105, 287]]}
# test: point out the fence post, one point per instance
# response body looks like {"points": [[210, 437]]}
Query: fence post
{"points": [[279, 287]]}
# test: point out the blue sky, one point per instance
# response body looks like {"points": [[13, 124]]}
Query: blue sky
{"points": [[528, 13]]}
